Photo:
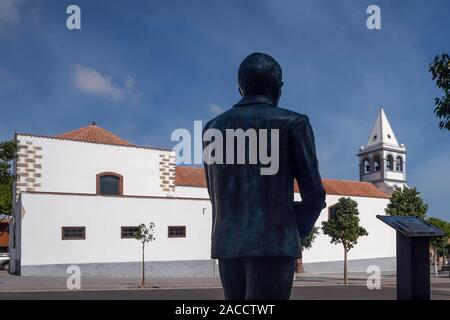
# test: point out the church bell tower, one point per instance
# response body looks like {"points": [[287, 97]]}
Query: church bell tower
{"points": [[383, 160]]}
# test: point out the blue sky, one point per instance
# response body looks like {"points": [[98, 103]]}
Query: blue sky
{"points": [[144, 68]]}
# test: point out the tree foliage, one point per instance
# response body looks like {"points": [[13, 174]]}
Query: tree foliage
{"points": [[7, 154], [144, 234], [406, 202], [306, 242], [343, 227], [440, 70], [439, 242], [445, 250]]}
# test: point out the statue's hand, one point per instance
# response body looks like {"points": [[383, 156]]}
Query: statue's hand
{"points": [[304, 225]]}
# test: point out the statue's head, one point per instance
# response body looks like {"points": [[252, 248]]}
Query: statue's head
{"points": [[260, 74]]}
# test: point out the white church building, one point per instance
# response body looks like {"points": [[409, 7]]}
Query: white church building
{"points": [[80, 195]]}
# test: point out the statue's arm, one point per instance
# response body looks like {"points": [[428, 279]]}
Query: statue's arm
{"points": [[209, 184], [306, 172]]}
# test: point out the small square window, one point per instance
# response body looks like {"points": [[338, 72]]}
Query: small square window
{"points": [[73, 233], [128, 232], [177, 232]]}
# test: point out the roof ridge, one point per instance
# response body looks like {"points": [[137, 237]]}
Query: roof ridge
{"points": [[84, 141], [94, 133], [332, 179], [348, 180], [186, 176]]}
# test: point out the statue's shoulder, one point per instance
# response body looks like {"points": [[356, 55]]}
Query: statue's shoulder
{"points": [[292, 116], [214, 122]]}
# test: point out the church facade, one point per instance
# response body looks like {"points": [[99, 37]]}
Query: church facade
{"points": [[80, 195]]}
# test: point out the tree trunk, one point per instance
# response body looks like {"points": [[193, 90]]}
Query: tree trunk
{"points": [[299, 267], [435, 263], [446, 257], [345, 267], [143, 265]]}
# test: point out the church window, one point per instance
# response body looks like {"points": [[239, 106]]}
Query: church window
{"points": [[390, 163], [366, 165], [376, 164], [109, 183], [331, 211], [399, 164]]}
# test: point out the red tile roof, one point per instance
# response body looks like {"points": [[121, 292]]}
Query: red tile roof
{"points": [[68, 139], [353, 188], [4, 235], [190, 177], [94, 134], [195, 177]]}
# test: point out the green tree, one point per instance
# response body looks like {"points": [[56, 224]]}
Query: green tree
{"points": [[343, 227], [446, 251], [144, 234], [438, 244], [7, 154], [440, 70], [406, 202], [305, 244]]}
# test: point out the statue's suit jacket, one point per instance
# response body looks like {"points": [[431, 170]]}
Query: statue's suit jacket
{"points": [[254, 215]]}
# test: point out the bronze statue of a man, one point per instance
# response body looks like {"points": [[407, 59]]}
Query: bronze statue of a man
{"points": [[257, 226]]}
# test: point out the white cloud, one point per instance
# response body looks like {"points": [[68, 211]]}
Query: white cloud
{"points": [[9, 15], [215, 109], [129, 84], [9, 11], [93, 82]]}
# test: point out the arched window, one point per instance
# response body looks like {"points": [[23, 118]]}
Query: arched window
{"points": [[399, 164], [390, 162], [366, 166], [109, 183], [331, 211], [376, 164]]}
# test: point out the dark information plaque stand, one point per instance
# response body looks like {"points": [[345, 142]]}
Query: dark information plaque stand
{"points": [[413, 255]]}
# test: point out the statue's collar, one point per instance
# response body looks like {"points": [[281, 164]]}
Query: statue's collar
{"points": [[253, 100]]}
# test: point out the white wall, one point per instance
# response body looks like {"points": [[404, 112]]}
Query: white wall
{"points": [[380, 242], [72, 166], [44, 215], [395, 175], [191, 192]]}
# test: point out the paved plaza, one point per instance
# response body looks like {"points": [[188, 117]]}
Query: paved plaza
{"points": [[306, 287]]}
